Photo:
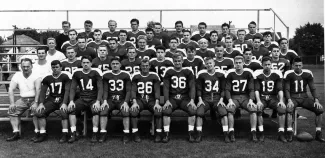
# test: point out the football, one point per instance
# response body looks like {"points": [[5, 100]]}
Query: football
{"points": [[304, 137]]}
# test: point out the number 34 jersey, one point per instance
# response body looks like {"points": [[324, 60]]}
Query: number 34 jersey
{"points": [[117, 85], [179, 82], [145, 86], [208, 84], [268, 84], [239, 84]]}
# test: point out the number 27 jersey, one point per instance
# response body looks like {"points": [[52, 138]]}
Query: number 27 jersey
{"points": [[179, 82], [240, 84]]}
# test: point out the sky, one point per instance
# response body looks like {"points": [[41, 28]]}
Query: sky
{"points": [[294, 13]]}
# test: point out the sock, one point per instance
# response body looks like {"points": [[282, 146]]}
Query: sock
{"points": [[260, 128], [42, 131], [73, 128], [281, 129], [134, 130], [103, 131], [36, 131], [126, 131], [16, 130], [166, 128], [318, 128], [190, 128], [199, 128], [231, 129], [225, 128], [158, 130], [95, 129], [253, 129], [65, 130], [289, 129]]}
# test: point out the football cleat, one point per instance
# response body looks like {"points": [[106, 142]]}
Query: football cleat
{"points": [[191, 136], [262, 137], [157, 137], [35, 137], [319, 136], [254, 138], [290, 136], [232, 136], [281, 137], [64, 137], [227, 140], [126, 138], [94, 138], [14, 137], [199, 137], [73, 138], [41, 138], [166, 138], [136, 137], [103, 136]]}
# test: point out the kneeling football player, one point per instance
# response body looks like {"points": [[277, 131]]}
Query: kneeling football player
{"points": [[145, 94]]}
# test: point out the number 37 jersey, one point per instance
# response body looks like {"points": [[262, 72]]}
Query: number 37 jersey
{"points": [[239, 84], [179, 82], [117, 85]]}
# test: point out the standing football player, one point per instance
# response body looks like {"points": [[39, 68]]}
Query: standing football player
{"points": [[202, 26], [88, 25], [135, 32], [226, 33], [279, 63], [249, 61], [222, 63], [204, 52], [60, 39], [72, 63], [230, 52], [72, 40], [112, 33], [103, 61], [131, 64], [187, 40], [151, 40], [83, 50], [114, 50], [258, 51], [161, 35], [97, 40], [241, 43], [173, 44], [285, 52], [179, 31], [267, 41], [252, 31], [143, 51], [123, 43]]}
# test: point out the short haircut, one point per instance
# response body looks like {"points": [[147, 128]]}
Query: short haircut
{"points": [[26, 59], [72, 30], [186, 30], [123, 31], [208, 58], [134, 20], [145, 60], [97, 30], [225, 24], [102, 45], [241, 31], [257, 37], [149, 29], [266, 58], [41, 48], [50, 38], [158, 23], [229, 38], [112, 39], [116, 58], [267, 33], [173, 38], [178, 54], [252, 22], [87, 57], [142, 37], [131, 47], [160, 47], [112, 21], [88, 22], [202, 23], [214, 31], [239, 57], [82, 37], [189, 47], [68, 48], [275, 47], [66, 22], [179, 22], [281, 39], [56, 62], [218, 45], [247, 50], [202, 40], [296, 60]]}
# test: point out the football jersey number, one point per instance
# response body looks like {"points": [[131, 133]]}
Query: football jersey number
{"points": [[269, 86], [178, 82], [297, 85], [103, 67], [53, 85], [132, 40], [132, 70], [242, 46], [71, 70], [116, 85], [237, 83], [209, 86], [88, 86], [278, 66], [162, 69], [223, 68], [145, 87]]}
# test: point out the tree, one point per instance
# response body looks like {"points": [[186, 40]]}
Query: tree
{"points": [[309, 39], [38, 36]]}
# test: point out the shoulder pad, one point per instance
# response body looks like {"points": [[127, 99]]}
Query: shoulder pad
{"points": [[201, 72], [230, 71], [278, 72], [155, 74], [307, 71], [67, 73], [287, 73], [258, 72]]}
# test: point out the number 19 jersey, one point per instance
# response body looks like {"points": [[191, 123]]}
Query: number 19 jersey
{"points": [[268, 84]]}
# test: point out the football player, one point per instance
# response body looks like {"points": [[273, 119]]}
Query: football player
{"points": [[296, 82], [210, 86], [240, 94], [226, 33], [72, 63], [249, 62], [131, 64], [117, 89], [82, 50], [193, 61], [135, 32], [285, 52], [179, 93], [222, 63], [267, 41], [269, 93], [89, 80], [143, 51], [122, 43], [103, 61], [252, 31], [161, 35], [214, 40], [279, 63], [258, 51], [112, 33], [179, 31], [59, 84], [72, 42], [241, 43], [145, 94], [151, 41], [202, 26], [61, 38], [160, 63], [88, 25], [173, 44], [187, 40], [97, 40], [114, 50], [204, 52], [230, 52]]}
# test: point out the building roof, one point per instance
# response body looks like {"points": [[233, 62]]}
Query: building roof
{"points": [[22, 39]]}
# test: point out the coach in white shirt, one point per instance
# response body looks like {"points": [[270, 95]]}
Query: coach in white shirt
{"points": [[29, 85], [52, 53]]}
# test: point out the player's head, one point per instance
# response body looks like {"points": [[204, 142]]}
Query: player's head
{"points": [[145, 65], [247, 54], [66, 26], [86, 62], [209, 63], [203, 43], [179, 26], [219, 49], [134, 24], [239, 62], [267, 36], [88, 25], [150, 33], [26, 65], [51, 43], [82, 41], [41, 53], [158, 27], [190, 52], [178, 59], [252, 27], [112, 43], [297, 64], [173, 43], [202, 26], [97, 34], [214, 36], [160, 52], [275, 52], [112, 25], [266, 63], [102, 51], [241, 34], [228, 42], [225, 28], [186, 35], [72, 34], [122, 35], [70, 53], [142, 41], [56, 67], [131, 52], [283, 43], [116, 63], [257, 41]]}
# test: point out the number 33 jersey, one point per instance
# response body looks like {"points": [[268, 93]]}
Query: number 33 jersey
{"points": [[117, 85], [268, 84], [179, 82]]}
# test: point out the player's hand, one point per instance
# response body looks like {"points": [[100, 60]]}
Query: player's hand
{"points": [[192, 104], [281, 104], [64, 108], [259, 105], [135, 107], [221, 103], [105, 104], [71, 106], [230, 104], [12, 108], [318, 105], [200, 103], [33, 108], [125, 107], [40, 108], [96, 106], [290, 104], [251, 104], [158, 107], [167, 105]]}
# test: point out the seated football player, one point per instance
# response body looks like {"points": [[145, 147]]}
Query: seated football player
{"points": [[279, 63], [210, 85], [193, 61], [72, 42], [179, 31], [222, 63], [135, 32], [123, 43], [252, 31], [112, 32], [267, 41], [89, 81], [258, 51], [114, 50], [269, 94], [239, 92], [72, 63], [117, 89], [296, 82], [202, 26], [204, 51], [103, 61], [151, 41], [214, 40], [145, 94], [249, 61], [88, 25], [230, 52], [131, 64], [59, 84], [226, 33], [143, 51], [187, 40], [179, 93], [82, 50], [98, 40], [285, 52], [173, 43], [241, 43]]}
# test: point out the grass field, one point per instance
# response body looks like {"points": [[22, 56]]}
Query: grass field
{"points": [[211, 146]]}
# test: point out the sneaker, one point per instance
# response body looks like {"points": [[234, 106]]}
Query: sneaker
{"points": [[103, 136], [94, 138], [232, 136], [281, 137], [166, 138], [262, 137], [126, 138], [64, 137], [199, 137], [41, 138], [289, 136], [14, 137], [227, 140], [319, 136], [35, 137], [136, 137], [254, 138], [191, 136], [73, 138], [157, 137]]}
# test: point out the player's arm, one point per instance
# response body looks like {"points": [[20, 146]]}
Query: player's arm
{"points": [[100, 87], [134, 89], [128, 90], [310, 82], [257, 90], [42, 96], [66, 91], [166, 87], [73, 88], [157, 89], [38, 84], [12, 87], [251, 87]]}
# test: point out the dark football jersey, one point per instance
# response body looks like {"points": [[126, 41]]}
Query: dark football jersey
{"points": [[66, 44], [132, 37], [258, 54], [148, 53], [163, 38], [208, 85], [131, 67], [179, 82], [249, 36], [268, 85], [222, 37], [90, 36], [297, 83], [225, 64], [242, 45], [290, 55], [107, 35], [282, 64], [153, 43], [197, 37], [146, 87], [103, 65], [70, 67], [213, 45], [253, 65], [169, 54], [94, 45], [160, 66], [116, 86], [57, 84], [191, 43], [87, 83], [232, 54], [196, 64], [178, 36], [239, 84], [204, 54], [126, 45], [121, 53], [270, 47], [87, 52]]}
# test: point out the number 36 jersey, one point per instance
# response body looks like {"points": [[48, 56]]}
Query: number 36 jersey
{"points": [[179, 82], [117, 85], [239, 84], [268, 85]]}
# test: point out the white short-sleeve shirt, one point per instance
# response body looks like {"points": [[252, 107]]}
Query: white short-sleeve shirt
{"points": [[42, 70], [56, 56], [26, 85]]}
